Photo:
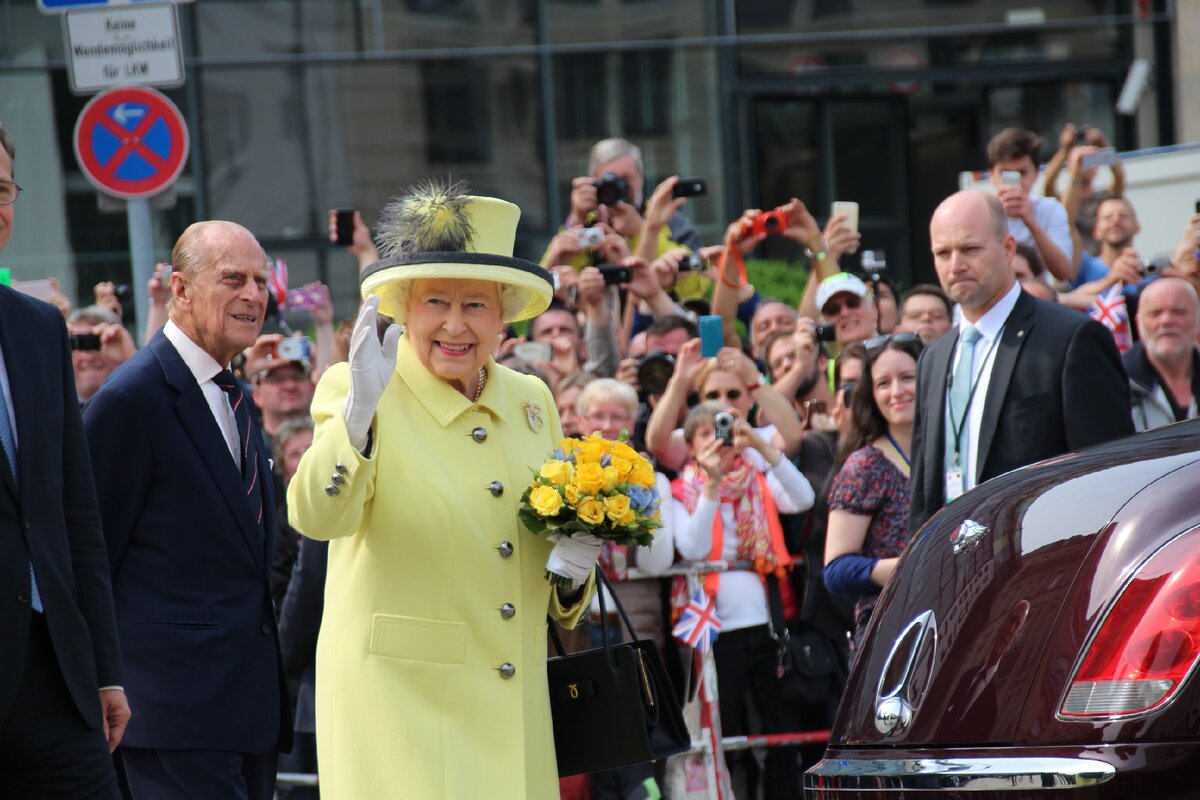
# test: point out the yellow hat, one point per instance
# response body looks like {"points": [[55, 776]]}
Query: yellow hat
{"points": [[437, 230]]}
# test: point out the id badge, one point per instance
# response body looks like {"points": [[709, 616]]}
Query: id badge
{"points": [[954, 483]]}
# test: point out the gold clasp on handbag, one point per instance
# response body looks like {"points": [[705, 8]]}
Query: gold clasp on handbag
{"points": [[574, 690], [645, 679]]}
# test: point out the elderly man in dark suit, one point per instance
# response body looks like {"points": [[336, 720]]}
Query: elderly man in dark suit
{"points": [[60, 664], [185, 495], [1021, 380]]}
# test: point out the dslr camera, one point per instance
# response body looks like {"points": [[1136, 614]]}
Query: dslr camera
{"points": [[654, 372], [611, 190]]}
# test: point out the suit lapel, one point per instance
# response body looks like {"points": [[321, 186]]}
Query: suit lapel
{"points": [[935, 413], [197, 419], [1016, 332]]}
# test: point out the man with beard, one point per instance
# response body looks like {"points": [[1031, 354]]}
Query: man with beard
{"points": [[1162, 367]]}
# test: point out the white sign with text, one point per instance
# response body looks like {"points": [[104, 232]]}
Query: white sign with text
{"points": [[123, 45]]}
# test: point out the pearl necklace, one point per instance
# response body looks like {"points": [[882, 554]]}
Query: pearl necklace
{"points": [[483, 376]]}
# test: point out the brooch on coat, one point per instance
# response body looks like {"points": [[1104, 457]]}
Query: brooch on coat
{"points": [[533, 413]]}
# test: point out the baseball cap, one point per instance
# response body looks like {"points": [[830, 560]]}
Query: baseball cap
{"points": [[841, 282]]}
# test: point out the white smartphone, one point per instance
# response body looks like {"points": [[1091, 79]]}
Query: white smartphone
{"points": [[1010, 177], [848, 209], [532, 351], [42, 289]]}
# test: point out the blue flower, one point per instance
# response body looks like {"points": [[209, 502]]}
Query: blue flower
{"points": [[641, 498]]}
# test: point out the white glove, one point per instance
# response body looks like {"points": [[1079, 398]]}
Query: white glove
{"points": [[371, 366], [573, 556]]}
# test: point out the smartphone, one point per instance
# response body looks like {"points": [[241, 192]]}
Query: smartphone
{"points": [[826, 332], [1104, 157], [712, 337], [345, 226], [532, 351], [295, 348], [2, 271], [42, 289], [614, 275], [690, 187], [848, 209], [1010, 177], [84, 341], [309, 296]]}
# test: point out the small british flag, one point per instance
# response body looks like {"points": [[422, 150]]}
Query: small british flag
{"points": [[699, 624], [279, 282], [1110, 310]]}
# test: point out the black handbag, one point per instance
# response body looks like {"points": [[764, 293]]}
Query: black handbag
{"points": [[807, 666], [612, 706]]}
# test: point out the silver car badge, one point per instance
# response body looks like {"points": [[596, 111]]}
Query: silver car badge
{"points": [[967, 535], [904, 676]]}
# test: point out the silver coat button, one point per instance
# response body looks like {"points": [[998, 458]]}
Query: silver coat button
{"points": [[337, 478], [496, 488], [340, 467], [479, 435], [331, 490], [507, 670], [506, 549], [508, 611]]}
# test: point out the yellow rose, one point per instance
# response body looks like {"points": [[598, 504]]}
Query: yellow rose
{"points": [[617, 509], [611, 478], [642, 475], [545, 501], [592, 449], [623, 466], [568, 445], [622, 450], [557, 472], [590, 512], [573, 494], [589, 478]]}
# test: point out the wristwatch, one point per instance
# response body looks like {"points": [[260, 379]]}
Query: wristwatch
{"points": [[819, 255]]}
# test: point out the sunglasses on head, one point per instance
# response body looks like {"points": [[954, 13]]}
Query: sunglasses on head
{"points": [[717, 394], [834, 307], [876, 342]]}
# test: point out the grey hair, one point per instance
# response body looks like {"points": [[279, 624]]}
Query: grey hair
{"points": [[512, 301], [607, 150], [93, 315]]}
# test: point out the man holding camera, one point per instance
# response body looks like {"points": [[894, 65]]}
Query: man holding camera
{"points": [[283, 386], [1042, 221], [99, 344], [847, 305], [1116, 226]]}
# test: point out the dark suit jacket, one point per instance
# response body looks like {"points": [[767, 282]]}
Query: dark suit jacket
{"points": [[51, 517], [1056, 385], [190, 565], [299, 624]]}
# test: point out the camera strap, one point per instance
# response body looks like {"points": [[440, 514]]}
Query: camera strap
{"points": [[732, 255]]}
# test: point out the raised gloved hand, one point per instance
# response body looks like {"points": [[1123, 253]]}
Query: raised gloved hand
{"points": [[573, 558], [371, 366]]}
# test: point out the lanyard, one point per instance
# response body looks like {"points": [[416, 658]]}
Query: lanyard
{"points": [[966, 413], [899, 451]]}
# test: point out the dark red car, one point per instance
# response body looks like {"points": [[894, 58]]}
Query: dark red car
{"points": [[1038, 640]]}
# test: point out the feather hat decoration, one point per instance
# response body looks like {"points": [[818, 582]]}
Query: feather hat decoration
{"points": [[436, 230]]}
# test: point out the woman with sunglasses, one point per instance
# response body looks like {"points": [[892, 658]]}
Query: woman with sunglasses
{"points": [[868, 500]]}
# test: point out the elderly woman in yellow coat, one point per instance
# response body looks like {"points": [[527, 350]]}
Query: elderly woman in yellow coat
{"points": [[431, 662]]}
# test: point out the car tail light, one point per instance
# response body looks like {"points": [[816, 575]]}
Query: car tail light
{"points": [[1148, 642]]}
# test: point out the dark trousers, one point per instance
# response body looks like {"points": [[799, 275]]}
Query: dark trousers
{"points": [[198, 774], [746, 660], [47, 751]]}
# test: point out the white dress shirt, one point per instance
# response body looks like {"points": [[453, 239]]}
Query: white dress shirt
{"points": [[204, 368], [990, 327], [742, 599]]}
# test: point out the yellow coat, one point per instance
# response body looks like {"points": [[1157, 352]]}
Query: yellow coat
{"points": [[411, 699]]}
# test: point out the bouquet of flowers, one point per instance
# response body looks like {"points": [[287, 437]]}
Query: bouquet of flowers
{"points": [[593, 486]]}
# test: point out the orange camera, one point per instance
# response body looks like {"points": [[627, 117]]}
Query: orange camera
{"points": [[768, 223]]}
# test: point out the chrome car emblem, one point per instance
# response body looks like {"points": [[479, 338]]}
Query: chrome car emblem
{"points": [[909, 665], [967, 535]]}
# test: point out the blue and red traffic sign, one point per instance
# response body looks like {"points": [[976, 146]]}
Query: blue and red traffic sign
{"points": [[131, 142]]}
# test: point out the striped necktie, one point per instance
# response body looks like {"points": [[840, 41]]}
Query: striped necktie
{"points": [[8, 443], [229, 384]]}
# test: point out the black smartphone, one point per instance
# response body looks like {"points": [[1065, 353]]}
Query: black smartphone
{"points": [[690, 187], [84, 341], [1198, 206], [614, 275], [345, 226]]}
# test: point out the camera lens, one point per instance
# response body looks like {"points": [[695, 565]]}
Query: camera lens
{"points": [[654, 372], [692, 263], [771, 224]]}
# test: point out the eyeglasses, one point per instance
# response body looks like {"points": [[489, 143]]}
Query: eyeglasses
{"points": [[278, 377], [834, 307], [875, 342], [8, 193], [728, 394]]}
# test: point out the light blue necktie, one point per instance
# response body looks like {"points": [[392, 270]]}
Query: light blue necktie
{"points": [[960, 394], [9, 445]]}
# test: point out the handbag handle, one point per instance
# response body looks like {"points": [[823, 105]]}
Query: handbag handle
{"points": [[603, 583]]}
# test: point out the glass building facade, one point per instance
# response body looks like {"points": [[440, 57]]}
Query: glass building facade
{"points": [[299, 106]]}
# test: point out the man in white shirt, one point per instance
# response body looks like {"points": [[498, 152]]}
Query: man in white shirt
{"points": [[1040, 221], [1022, 380]]}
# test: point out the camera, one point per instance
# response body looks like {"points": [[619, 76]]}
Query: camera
{"points": [[826, 332], [614, 274], [768, 223], [691, 263], [296, 348], [611, 190], [1150, 267], [723, 425], [84, 341], [873, 262], [654, 372], [589, 237]]}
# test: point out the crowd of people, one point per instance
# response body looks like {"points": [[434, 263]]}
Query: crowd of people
{"points": [[336, 559]]}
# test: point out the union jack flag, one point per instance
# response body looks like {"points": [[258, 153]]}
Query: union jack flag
{"points": [[1110, 310], [279, 282], [699, 624]]}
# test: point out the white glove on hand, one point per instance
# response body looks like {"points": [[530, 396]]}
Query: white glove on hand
{"points": [[573, 556], [371, 366]]}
